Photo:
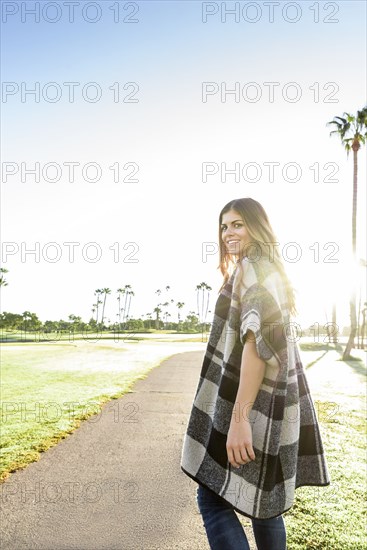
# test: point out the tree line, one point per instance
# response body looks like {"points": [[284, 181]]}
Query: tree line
{"points": [[159, 318]]}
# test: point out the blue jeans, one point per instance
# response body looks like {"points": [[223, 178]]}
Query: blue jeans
{"points": [[225, 532]]}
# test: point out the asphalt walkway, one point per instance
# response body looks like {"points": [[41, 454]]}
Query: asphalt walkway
{"points": [[115, 483]]}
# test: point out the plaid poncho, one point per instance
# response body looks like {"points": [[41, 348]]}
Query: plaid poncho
{"points": [[285, 431]]}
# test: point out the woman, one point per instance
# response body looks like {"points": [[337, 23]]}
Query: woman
{"points": [[252, 437]]}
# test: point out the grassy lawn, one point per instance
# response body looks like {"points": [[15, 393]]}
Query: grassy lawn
{"points": [[334, 517], [16, 336], [48, 389]]}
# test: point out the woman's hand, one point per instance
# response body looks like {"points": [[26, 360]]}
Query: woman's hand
{"points": [[239, 442]]}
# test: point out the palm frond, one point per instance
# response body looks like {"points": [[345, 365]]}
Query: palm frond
{"points": [[337, 124], [335, 132], [356, 126], [362, 116], [344, 120], [348, 148], [350, 118], [345, 129]]}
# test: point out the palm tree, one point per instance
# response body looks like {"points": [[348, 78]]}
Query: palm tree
{"points": [[179, 306], [203, 287], [3, 282], [105, 291], [128, 295], [127, 303], [27, 316], [157, 310], [165, 315], [149, 316], [97, 293], [356, 128], [119, 291]]}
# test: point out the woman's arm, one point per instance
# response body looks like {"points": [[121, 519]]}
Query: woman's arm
{"points": [[251, 377], [239, 437]]}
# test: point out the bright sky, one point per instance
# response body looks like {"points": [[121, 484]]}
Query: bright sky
{"points": [[162, 134]]}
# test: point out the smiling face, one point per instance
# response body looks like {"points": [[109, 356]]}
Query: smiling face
{"points": [[234, 233]]}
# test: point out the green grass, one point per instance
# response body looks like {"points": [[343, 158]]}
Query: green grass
{"points": [[17, 336], [334, 517], [48, 389], [53, 337], [322, 518]]}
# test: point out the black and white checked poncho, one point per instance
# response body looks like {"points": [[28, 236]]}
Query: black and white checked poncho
{"points": [[286, 436]]}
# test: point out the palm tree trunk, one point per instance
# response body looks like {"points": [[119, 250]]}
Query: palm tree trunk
{"points": [[125, 309], [104, 305], [129, 304], [353, 315], [335, 334]]}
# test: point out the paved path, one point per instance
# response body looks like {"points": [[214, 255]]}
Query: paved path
{"points": [[115, 483]]}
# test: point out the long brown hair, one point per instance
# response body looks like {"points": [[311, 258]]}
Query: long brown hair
{"points": [[260, 232]]}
